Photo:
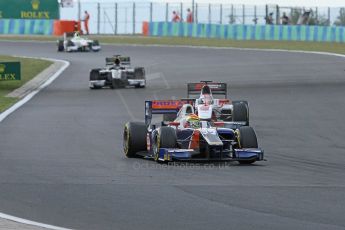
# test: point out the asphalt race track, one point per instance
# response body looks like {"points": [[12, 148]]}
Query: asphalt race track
{"points": [[61, 160]]}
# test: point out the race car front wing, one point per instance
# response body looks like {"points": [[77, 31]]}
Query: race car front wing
{"points": [[168, 154]]}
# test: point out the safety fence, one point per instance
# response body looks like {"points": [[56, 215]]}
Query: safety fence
{"points": [[26, 26], [246, 32], [126, 17], [197, 30], [37, 26]]}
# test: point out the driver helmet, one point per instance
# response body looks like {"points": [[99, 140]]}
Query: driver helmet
{"points": [[206, 99], [193, 121], [117, 61]]}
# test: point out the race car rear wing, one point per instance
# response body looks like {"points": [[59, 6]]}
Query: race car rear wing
{"points": [[163, 107], [216, 88], [123, 60]]}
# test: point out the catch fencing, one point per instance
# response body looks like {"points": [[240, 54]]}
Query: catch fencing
{"points": [[127, 17]]}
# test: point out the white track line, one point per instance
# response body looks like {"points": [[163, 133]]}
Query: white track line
{"points": [[29, 222], [33, 93]]}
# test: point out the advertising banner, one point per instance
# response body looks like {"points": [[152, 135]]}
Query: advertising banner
{"points": [[246, 32], [29, 9], [9, 71]]}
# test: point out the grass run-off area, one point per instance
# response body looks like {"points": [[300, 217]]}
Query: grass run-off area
{"points": [[29, 69], [286, 45]]}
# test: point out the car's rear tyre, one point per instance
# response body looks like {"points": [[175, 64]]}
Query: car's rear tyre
{"points": [[240, 112], [134, 138], [95, 43], [60, 46], [164, 138], [247, 139]]}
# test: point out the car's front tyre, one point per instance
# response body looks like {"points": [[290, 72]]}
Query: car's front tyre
{"points": [[60, 46], [247, 139], [165, 137], [134, 138]]}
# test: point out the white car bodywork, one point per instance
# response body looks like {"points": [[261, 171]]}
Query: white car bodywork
{"points": [[117, 73], [208, 132], [79, 43], [206, 106]]}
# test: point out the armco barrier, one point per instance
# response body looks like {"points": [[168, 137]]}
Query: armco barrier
{"points": [[26, 26], [246, 32]]}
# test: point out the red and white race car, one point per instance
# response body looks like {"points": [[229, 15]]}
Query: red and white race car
{"points": [[207, 107]]}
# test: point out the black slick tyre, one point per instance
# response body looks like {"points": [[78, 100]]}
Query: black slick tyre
{"points": [[164, 138], [95, 43], [134, 138], [247, 139], [60, 46], [240, 112], [95, 76]]}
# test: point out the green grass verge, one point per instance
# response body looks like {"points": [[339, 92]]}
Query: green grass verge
{"points": [[287, 45], [29, 69]]}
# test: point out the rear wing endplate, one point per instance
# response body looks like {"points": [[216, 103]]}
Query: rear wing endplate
{"points": [[163, 107]]}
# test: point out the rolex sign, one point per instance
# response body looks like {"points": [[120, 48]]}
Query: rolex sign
{"points": [[29, 9], [9, 71]]}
